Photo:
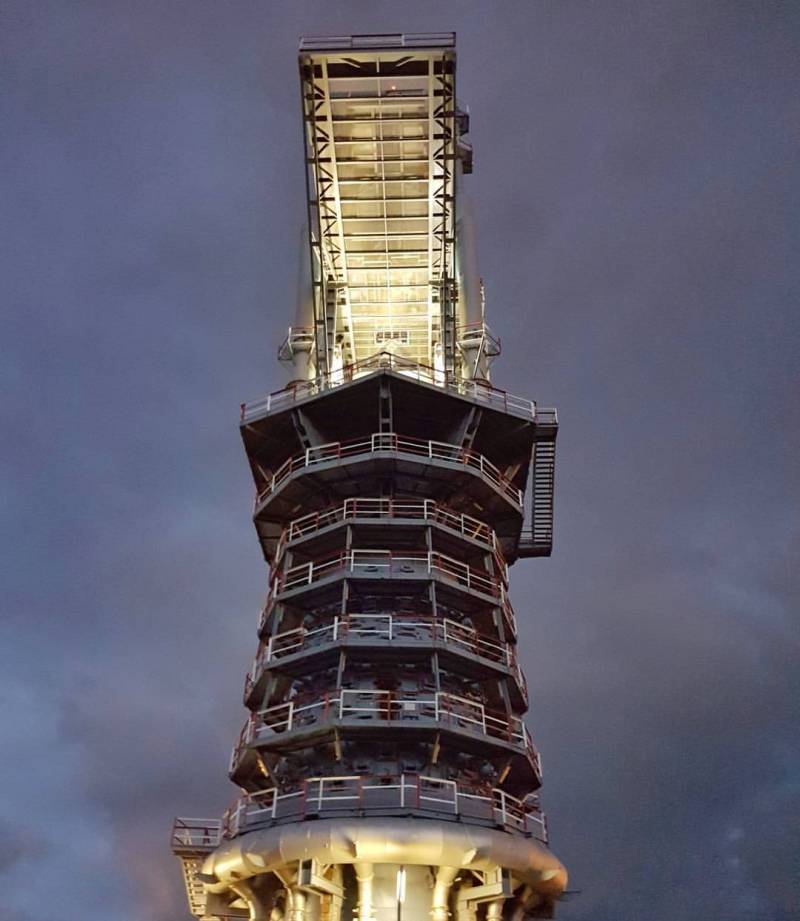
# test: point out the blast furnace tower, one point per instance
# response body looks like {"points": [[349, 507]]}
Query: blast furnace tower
{"points": [[385, 769]]}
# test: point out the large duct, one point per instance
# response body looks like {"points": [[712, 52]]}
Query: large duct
{"points": [[470, 302], [298, 348], [369, 841], [469, 279], [365, 876], [441, 892], [244, 890]]}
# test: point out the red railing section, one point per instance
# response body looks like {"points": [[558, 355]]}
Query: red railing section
{"points": [[389, 442]]}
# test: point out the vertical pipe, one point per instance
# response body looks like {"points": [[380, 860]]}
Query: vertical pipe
{"points": [[470, 303], [441, 893], [469, 294], [303, 313], [520, 903], [494, 910], [304, 305], [298, 902], [365, 876]]}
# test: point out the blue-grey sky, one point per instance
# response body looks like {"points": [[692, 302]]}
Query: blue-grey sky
{"points": [[637, 198]]}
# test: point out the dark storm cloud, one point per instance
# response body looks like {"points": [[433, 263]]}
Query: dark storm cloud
{"points": [[637, 199]]}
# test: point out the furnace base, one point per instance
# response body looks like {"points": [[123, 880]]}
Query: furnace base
{"points": [[335, 870]]}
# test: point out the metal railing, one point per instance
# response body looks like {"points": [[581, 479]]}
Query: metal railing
{"points": [[388, 628], [506, 611], [195, 834], [425, 510], [340, 704], [382, 442], [370, 42], [365, 794], [422, 563], [479, 391]]}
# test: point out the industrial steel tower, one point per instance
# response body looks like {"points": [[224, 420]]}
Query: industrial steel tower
{"points": [[385, 769]]}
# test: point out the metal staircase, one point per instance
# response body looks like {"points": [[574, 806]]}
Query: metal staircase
{"points": [[537, 537]]}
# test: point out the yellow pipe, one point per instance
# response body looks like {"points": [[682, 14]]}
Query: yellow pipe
{"points": [[520, 904], [245, 892], [441, 893], [297, 902], [494, 910], [365, 876]]}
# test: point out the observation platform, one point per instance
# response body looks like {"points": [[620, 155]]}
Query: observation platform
{"points": [[388, 795], [384, 637], [386, 422], [465, 725]]}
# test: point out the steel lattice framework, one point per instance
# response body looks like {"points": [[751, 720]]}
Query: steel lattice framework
{"points": [[380, 134]]}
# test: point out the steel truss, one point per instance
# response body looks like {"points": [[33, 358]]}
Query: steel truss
{"points": [[381, 143]]}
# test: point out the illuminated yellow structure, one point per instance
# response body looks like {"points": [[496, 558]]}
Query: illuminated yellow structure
{"points": [[385, 768]]}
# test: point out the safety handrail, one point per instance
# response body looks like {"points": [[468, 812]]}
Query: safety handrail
{"points": [[480, 391], [390, 562], [387, 627], [506, 611], [367, 793], [343, 703], [196, 833], [382, 509], [389, 441], [387, 40]]}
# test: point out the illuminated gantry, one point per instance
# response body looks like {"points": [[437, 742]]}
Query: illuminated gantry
{"points": [[392, 258]]}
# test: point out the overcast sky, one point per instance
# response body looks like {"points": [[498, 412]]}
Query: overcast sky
{"points": [[637, 199]]}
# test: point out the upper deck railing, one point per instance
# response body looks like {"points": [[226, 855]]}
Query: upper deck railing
{"points": [[197, 835], [367, 794], [389, 442], [389, 628], [480, 391], [339, 705], [379, 562], [375, 42], [381, 510]]}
